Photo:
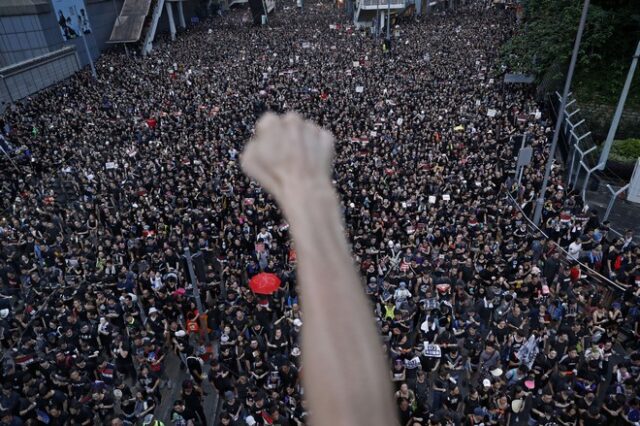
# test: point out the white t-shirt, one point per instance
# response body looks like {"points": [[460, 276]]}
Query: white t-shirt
{"points": [[574, 249]]}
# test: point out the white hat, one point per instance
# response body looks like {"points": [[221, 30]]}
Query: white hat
{"points": [[496, 372], [486, 383], [297, 322], [4, 313], [152, 310], [181, 333]]}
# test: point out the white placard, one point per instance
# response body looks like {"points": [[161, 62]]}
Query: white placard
{"points": [[400, 121], [446, 197], [359, 89], [356, 64], [491, 112], [110, 165], [432, 199]]}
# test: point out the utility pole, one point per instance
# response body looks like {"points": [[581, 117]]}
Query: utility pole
{"points": [[195, 288], [618, 114], [388, 20], [563, 103]]}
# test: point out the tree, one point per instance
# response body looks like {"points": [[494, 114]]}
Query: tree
{"points": [[550, 27]]}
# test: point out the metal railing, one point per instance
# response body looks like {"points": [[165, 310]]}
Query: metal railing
{"points": [[594, 275], [582, 154]]}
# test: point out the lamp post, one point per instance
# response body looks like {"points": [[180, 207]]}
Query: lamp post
{"points": [[563, 103]]}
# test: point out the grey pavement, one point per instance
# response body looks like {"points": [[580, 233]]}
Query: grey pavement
{"points": [[176, 376], [624, 215]]}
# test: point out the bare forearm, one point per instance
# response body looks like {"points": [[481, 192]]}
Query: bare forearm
{"points": [[341, 356], [344, 370]]}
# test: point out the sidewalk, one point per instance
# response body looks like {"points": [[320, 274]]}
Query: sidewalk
{"points": [[624, 214]]}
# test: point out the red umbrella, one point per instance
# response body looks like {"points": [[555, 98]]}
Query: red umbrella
{"points": [[264, 283]]}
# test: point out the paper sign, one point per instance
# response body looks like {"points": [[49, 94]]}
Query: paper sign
{"points": [[373, 134], [477, 102], [356, 64], [432, 199], [446, 197], [400, 121], [491, 112], [359, 89], [306, 45], [110, 165]]}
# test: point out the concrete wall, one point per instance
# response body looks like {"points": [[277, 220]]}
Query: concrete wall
{"points": [[34, 54], [22, 79], [21, 38]]}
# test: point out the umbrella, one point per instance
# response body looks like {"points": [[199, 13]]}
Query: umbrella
{"points": [[264, 283]]}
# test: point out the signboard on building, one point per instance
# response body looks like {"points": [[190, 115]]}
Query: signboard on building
{"points": [[72, 18]]}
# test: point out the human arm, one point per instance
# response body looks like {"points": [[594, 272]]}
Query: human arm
{"points": [[291, 159]]}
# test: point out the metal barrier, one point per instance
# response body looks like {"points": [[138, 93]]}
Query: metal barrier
{"points": [[581, 145], [596, 276]]}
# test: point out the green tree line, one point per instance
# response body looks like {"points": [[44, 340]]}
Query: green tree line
{"points": [[546, 35]]}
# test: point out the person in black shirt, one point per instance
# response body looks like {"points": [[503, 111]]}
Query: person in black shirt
{"points": [[543, 408], [180, 416], [192, 397], [232, 405]]}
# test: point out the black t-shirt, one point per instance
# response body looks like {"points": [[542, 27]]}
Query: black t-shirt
{"points": [[194, 364], [543, 407], [231, 408], [598, 420]]}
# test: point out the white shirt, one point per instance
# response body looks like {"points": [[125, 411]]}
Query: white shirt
{"points": [[574, 250]]}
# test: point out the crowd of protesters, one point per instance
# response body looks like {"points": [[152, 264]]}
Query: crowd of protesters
{"points": [[484, 320]]}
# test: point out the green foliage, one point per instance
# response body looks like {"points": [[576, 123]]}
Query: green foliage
{"points": [[625, 151], [547, 35]]}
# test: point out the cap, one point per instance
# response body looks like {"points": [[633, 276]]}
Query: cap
{"points": [[229, 395], [486, 383], [181, 333], [152, 310], [496, 372], [478, 411]]}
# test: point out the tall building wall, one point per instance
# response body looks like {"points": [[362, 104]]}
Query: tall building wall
{"points": [[33, 52]]}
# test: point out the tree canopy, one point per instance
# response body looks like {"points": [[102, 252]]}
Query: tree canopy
{"points": [[548, 31]]}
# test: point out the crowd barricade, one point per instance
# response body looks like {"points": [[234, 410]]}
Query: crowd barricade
{"points": [[610, 289]]}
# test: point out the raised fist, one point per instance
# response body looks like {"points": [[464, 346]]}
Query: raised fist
{"points": [[288, 155]]}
